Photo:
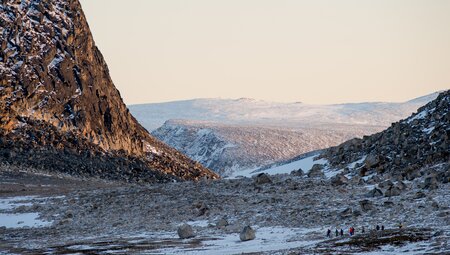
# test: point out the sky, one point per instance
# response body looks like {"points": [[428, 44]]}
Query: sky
{"points": [[312, 51]]}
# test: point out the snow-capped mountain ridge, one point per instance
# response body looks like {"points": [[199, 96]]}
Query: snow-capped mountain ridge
{"points": [[251, 111]]}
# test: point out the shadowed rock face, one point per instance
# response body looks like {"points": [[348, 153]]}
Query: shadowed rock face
{"points": [[56, 92]]}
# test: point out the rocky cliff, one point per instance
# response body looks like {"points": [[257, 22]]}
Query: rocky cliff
{"points": [[57, 98], [410, 148]]}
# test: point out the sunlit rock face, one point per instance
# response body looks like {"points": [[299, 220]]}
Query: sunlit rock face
{"points": [[56, 95]]}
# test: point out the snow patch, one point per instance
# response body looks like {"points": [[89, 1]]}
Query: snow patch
{"points": [[267, 239], [20, 220], [305, 164]]}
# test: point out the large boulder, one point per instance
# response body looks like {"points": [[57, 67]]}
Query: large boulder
{"points": [[316, 171], [247, 234], [262, 178], [185, 231], [371, 161]]}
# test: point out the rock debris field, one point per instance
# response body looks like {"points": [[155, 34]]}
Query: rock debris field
{"points": [[289, 214]]}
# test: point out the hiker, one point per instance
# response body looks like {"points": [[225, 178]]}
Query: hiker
{"points": [[382, 227], [378, 227], [342, 232], [328, 233], [363, 230], [337, 233], [351, 231]]}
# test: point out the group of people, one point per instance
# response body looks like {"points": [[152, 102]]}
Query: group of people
{"points": [[351, 230]]}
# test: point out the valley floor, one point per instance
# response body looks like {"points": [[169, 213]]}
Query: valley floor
{"points": [[63, 215]]}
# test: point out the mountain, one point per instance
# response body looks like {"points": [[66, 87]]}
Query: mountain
{"points": [[229, 149], [229, 136], [415, 147], [59, 108], [251, 111], [402, 150]]}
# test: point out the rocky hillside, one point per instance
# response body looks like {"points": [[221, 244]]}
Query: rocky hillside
{"points": [[229, 149], [57, 98], [410, 148]]}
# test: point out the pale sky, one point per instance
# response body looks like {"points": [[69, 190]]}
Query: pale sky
{"points": [[313, 51]]}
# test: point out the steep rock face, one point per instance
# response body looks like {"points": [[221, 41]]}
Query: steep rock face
{"points": [[56, 92], [409, 145]]}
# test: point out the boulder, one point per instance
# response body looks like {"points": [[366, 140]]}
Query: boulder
{"points": [[401, 185], [222, 223], [366, 205], [372, 160], [375, 193], [430, 182], [339, 180], [392, 191], [298, 172], [262, 178], [316, 171], [247, 234], [185, 231], [386, 184], [346, 213], [203, 209]]}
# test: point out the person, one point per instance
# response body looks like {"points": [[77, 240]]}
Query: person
{"points": [[337, 232], [378, 227], [328, 233], [400, 225], [382, 227], [342, 232], [363, 230]]}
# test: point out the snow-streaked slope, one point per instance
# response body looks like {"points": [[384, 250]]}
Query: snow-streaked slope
{"points": [[251, 111], [229, 136], [305, 164], [229, 149]]}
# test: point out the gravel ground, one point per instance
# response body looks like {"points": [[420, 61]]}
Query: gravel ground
{"points": [[99, 217]]}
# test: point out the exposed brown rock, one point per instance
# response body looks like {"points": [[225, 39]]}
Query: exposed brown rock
{"points": [[56, 95]]}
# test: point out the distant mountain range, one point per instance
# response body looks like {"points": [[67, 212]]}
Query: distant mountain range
{"points": [[415, 147], [252, 111], [229, 136]]}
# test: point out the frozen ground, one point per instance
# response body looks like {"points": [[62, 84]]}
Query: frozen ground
{"points": [[290, 216]]}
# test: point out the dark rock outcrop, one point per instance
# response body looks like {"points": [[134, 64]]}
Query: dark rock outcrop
{"points": [[403, 150], [59, 109]]}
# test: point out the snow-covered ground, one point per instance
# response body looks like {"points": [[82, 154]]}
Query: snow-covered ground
{"points": [[11, 219], [305, 164], [267, 239]]}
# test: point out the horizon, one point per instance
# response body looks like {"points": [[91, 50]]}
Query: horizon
{"points": [[316, 52], [278, 102]]}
